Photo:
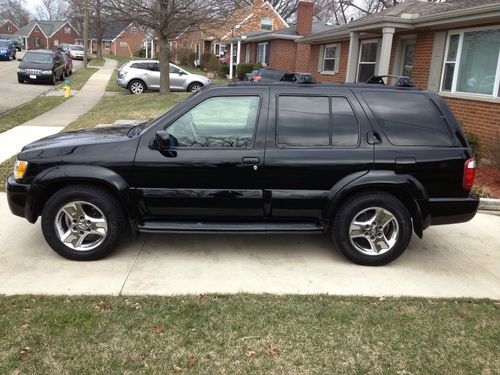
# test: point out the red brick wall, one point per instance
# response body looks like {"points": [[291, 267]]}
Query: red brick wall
{"points": [[338, 77], [4, 29], [479, 117], [253, 23], [36, 34], [422, 60], [282, 54], [62, 37], [134, 42]]}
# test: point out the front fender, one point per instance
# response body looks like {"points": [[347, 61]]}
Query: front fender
{"points": [[404, 186]]}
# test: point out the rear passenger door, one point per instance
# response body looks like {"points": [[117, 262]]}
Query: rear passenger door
{"points": [[315, 139]]}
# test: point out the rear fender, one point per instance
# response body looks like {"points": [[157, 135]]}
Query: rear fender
{"points": [[405, 187]]}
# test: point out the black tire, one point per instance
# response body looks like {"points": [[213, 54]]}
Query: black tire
{"points": [[20, 80], [362, 204], [195, 86], [136, 87], [100, 198], [54, 79]]}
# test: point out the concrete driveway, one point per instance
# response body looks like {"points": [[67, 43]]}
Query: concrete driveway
{"points": [[13, 93], [451, 261]]}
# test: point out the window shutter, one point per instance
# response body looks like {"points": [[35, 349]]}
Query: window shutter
{"points": [[320, 58], [268, 49], [255, 56], [337, 58], [436, 61]]}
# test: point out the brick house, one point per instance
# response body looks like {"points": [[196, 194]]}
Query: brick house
{"points": [[47, 34], [279, 49], [452, 48], [8, 27], [120, 38], [261, 16]]}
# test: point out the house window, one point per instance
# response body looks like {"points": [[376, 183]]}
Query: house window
{"points": [[134, 29], [367, 60], [9, 28], [67, 30], [37, 42], [247, 53], [186, 45], [266, 24], [472, 62], [123, 44], [330, 58], [107, 45], [56, 42], [262, 54], [217, 49], [37, 30]]}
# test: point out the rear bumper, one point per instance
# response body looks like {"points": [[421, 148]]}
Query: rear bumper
{"points": [[122, 83], [20, 199], [452, 210]]}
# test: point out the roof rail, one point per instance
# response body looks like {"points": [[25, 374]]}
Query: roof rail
{"points": [[401, 81]]}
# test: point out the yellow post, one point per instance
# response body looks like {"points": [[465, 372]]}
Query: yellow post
{"points": [[67, 89]]}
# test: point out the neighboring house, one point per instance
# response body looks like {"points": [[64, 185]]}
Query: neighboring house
{"points": [[261, 16], [8, 27], [119, 39], [279, 49], [47, 34], [451, 47]]}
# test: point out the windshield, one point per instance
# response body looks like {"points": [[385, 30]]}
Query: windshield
{"points": [[77, 48], [38, 58], [4, 43]]}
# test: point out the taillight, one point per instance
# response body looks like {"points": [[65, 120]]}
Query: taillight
{"points": [[469, 172], [256, 78]]}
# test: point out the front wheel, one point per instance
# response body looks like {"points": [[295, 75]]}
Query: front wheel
{"points": [[82, 222], [372, 228], [195, 86]]}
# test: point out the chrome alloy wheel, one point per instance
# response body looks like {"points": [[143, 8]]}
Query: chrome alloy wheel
{"points": [[137, 87], [374, 231], [81, 226], [195, 87]]}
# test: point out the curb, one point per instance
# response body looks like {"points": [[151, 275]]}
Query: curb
{"points": [[489, 204]]}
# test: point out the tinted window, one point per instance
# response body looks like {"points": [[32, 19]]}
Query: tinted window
{"points": [[217, 122], [139, 66], [408, 119], [40, 58], [303, 121], [345, 130]]}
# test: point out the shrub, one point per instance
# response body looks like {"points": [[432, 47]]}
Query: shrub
{"points": [[204, 60], [212, 64], [186, 57], [223, 70], [475, 144], [243, 69], [141, 52]]}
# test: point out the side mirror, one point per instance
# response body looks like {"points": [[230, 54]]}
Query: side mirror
{"points": [[19, 59], [162, 140], [181, 73]]}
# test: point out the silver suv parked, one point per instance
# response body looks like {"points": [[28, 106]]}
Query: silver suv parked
{"points": [[140, 75]]}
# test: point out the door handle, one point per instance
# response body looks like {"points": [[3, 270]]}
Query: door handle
{"points": [[250, 160]]}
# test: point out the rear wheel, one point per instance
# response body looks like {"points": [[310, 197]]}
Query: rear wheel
{"points": [[136, 87], [82, 222], [372, 228]]}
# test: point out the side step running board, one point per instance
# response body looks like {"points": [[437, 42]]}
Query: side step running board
{"points": [[208, 227]]}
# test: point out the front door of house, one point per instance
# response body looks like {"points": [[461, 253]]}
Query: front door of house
{"points": [[406, 57]]}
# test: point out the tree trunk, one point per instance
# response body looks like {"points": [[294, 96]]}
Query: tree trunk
{"points": [[164, 66], [99, 31], [85, 32]]}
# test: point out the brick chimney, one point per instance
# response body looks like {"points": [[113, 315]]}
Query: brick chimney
{"points": [[304, 17]]}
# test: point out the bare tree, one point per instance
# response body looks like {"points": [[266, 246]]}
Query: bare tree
{"points": [[14, 10], [169, 18], [52, 9]]}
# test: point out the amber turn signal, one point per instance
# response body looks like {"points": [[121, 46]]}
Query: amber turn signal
{"points": [[20, 168]]}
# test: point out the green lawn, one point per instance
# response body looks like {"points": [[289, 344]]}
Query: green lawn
{"points": [[28, 111], [247, 334]]}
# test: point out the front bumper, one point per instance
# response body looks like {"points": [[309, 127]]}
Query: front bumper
{"points": [[35, 77], [452, 210], [20, 199]]}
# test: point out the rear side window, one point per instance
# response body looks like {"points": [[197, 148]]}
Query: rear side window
{"points": [[408, 119], [317, 121], [303, 121]]}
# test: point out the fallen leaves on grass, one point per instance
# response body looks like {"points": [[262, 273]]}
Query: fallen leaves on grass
{"points": [[158, 328], [271, 350], [24, 351], [102, 306], [250, 353], [177, 368]]}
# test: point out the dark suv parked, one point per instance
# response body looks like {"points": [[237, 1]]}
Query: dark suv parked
{"points": [[367, 163], [41, 65]]}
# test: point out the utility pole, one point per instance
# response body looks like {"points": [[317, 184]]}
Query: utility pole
{"points": [[85, 31]]}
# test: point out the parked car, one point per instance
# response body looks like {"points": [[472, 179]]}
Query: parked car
{"points": [[367, 164], [68, 63], [64, 47], [41, 65], [76, 51], [7, 50], [140, 75], [17, 41]]}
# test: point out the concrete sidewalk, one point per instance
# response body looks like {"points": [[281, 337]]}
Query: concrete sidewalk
{"points": [[460, 260], [56, 119]]}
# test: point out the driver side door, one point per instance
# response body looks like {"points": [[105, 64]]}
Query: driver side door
{"points": [[213, 166]]}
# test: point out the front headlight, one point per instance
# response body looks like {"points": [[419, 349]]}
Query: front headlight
{"points": [[20, 168], [46, 71], [19, 70]]}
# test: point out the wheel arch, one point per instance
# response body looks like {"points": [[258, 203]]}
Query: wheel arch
{"points": [[406, 188], [192, 83], [56, 178]]}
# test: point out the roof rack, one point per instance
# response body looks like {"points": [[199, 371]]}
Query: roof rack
{"points": [[401, 81]]}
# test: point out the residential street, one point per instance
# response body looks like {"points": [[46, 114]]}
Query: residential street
{"points": [[14, 94], [451, 261]]}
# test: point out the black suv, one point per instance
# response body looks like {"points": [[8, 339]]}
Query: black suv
{"points": [[41, 65], [369, 164]]}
